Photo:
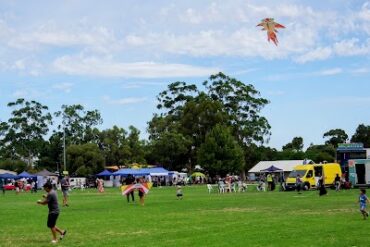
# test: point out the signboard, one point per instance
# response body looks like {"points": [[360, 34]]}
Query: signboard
{"points": [[65, 172], [350, 146]]}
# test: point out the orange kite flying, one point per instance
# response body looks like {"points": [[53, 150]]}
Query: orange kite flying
{"points": [[269, 25]]}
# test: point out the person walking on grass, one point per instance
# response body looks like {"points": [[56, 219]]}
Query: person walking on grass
{"points": [[129, 181], [269, 182], [65, 188], [141, 193], [337, 182], [51, 200], [179, 192], [17, 185], [321, 184], [2, 185], [363, 200], [298, 183]]}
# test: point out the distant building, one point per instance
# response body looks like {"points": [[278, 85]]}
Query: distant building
{"points": [[350, 151], [286, 165], [359, 172]]}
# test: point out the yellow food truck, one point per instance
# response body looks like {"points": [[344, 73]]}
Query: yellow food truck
{"points": [[311, 173]]}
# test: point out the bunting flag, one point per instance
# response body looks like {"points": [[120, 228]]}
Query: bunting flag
{"points": [[143, 187]]}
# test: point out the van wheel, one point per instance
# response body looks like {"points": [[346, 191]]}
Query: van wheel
{"points": [[307, 185]]}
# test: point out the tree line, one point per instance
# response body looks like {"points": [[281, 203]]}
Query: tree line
{"points": [[219, 127]]}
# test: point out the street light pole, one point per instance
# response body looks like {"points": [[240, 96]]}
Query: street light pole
{"points": [[64, 149]]}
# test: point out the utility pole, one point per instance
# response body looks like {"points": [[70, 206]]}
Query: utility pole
{"points": [[64, 149]]}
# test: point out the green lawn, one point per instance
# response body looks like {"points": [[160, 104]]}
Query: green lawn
{"points": [[243, 219]]}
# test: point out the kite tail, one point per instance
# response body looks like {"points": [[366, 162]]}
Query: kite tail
{"points": [[272, 36]]}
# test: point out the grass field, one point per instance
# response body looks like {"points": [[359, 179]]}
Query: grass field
{"points": [[200, 219]]}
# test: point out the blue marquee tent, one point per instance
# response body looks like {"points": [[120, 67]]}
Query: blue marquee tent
{"points": [[156, 171], [128, 171], [272, 169], [25, 175], [104, 173], [8, 176]]}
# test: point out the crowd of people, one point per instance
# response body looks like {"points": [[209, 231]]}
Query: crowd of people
{"points": [[19, 185], [271, 180]]}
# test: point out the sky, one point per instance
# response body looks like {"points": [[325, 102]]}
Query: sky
{"points": [[116, 56]]}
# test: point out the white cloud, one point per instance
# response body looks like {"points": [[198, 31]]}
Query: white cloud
{"points": [[240, 43], [5, 30], [245, 71], [228, 29], [28, 66], [349, 47], [96, 66], [19, 64], [291, 76], [20, 93], [28, 93], [135, 40], [352, 47], [320, 53], [365, 11], [347, 101], [328, 72], [191, 16], [201, 29], [360, 70], [133, 85], [96, 38], [278, 77], [276, 93], [124, 101], [65, 87]]}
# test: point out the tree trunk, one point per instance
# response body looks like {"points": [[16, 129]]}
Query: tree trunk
{"points": [[242, 175]]}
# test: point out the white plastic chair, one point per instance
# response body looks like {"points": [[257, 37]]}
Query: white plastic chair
{"points": [[221, 188], [210, 188], [233, 187]]}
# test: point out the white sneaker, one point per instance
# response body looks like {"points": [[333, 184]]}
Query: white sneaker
{"points": [[63, 234], [54, 241]]}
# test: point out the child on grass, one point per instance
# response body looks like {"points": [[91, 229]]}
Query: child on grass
{"points": [[179, 192], [52, 201], [363, 200]]}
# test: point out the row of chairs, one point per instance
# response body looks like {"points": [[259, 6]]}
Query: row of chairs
{"points": [[222, 188]]}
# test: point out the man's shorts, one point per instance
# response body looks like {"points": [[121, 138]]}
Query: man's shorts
{"points": [[65, 193], [52, 220], [362, 206]]}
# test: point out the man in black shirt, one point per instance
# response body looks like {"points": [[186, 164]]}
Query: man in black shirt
{"points": [[337, 182], [130, 180], [51, 200]]}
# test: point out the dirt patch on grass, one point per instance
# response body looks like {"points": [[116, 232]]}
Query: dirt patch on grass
{"points": [[342, 210], [305, 212], [240, 210], [322, 212], [141, 232]]}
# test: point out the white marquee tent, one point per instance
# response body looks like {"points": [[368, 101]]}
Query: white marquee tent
{"points": [[286, 165]]}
